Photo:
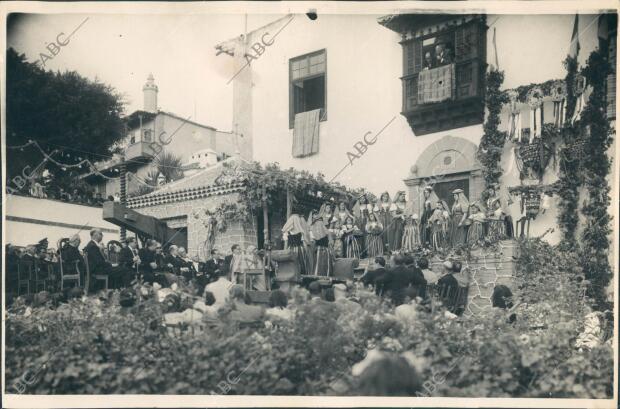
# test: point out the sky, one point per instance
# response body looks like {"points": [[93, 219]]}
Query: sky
{"points": [[122, 49]]}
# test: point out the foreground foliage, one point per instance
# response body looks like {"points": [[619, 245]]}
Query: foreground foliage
{"points": [[92, 345]]}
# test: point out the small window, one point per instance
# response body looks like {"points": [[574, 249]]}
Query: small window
{"points": [[147, 135], [307, 84]]}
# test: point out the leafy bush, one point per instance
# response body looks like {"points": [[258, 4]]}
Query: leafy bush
{"points": [[94, 346]]}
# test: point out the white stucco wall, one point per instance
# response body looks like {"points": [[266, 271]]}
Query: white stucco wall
{"points": [[364, 64], [31, 219], [364, 92]]}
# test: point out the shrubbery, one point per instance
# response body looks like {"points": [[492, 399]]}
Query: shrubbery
{"points": [[95, 346]]}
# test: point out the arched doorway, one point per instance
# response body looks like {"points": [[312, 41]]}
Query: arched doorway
{"points": [[447, 164]]}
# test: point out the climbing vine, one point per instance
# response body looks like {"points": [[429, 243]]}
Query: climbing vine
{"points": [[595, 236], [569, 181], [492, 142]]}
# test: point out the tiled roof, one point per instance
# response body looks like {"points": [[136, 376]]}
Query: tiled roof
{"points": [[199, 185]]}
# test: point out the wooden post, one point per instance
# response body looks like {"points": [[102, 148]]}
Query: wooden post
{"points": [[265, 218], [123, 232]]}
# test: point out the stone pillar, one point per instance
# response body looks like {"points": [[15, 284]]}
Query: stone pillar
{"points": [[476, 185]]}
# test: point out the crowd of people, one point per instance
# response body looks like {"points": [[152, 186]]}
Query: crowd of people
{"points": [[124, 263], [79, 195]]}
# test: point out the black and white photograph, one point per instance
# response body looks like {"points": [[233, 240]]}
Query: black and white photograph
{"points": [[309, 204]]}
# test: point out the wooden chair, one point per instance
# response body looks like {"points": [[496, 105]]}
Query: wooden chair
{"points": [[24, 275], [43, 273], [100, 277], [68, 274]]}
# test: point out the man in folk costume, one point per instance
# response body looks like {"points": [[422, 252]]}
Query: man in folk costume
{"points": [[319, 236], [428, 206], [458, 228], [385, 218], [297, 237], [398, 210]]}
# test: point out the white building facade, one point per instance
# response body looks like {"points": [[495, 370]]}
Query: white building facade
{"points": [[356, 72]]}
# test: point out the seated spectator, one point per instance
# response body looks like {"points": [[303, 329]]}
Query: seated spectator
{"points": [[342, 299], [128, 256], [147, 264], [315, 291], [388, 375], [220, 288], [277, 304], [119, 277], [98, 200], [448, 289], [328, 295], [502, 297], [374, 274], [69, 254], [398, 278], [241, 311], [429, 275]]}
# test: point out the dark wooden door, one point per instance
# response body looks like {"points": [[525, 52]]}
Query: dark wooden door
{"points": [[443, 190]]}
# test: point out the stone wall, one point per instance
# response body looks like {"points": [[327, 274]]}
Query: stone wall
{"points": [[489, 268], [193, 213]]}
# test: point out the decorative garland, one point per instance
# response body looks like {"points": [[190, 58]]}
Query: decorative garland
{"points": [[595, 236], [569, 180], [492, 142]]}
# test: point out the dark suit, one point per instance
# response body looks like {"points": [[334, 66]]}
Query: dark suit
{"points": [[97, 264], [125, 258], [374, 277], [398, 279], [226, 264], [213, 267]]}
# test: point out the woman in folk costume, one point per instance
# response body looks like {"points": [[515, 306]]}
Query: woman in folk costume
{"points": [[430, 198], [343, 213], [411, 234], [385, 218], [335, 238], [497, 227], [475, 219], [397, 210], [361, 210], [458, 228], [350, 232], [440, 221], [374, 231], [319, 235], [327, 213], [297, 237]]}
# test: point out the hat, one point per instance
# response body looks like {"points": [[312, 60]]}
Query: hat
{"points": [[414, 216], [457, 191]]}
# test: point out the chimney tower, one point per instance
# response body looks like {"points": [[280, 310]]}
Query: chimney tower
{"points": [[150, 94]]}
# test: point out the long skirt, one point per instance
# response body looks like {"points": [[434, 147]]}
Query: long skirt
{"points": [[475, 233], [458, 234], [303, 258], [375, 245], [396, 234], [337, 247], [411, 238], [323, 263], [438, 236], [352, 246]]}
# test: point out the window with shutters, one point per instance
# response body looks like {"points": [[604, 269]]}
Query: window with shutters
{"points": [[307, 85], [443, 76]]}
